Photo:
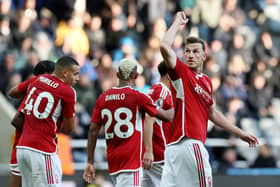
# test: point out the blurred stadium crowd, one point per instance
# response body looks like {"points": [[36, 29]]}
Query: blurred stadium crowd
{"points": [[243, 52]]}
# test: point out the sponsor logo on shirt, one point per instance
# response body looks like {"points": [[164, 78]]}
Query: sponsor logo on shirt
{"points": [[205, 95]]}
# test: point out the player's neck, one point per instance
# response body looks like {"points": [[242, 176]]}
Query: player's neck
{"points": [[58, 76], [124, 83], [165, 81]]}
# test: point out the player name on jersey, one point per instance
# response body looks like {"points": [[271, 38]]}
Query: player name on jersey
{"points": [[115, 97], [49, 82]]}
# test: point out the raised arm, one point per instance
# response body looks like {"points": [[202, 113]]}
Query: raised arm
{"points": [[89, 173], [166, 50], [220, 120]]}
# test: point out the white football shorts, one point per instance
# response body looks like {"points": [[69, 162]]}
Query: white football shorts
{"points": [[39, 169], [186, 165], [128, 179], [152, 177]]}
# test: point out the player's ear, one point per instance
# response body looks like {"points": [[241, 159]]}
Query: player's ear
{"points": [[64, 72], [204, 56], [135, 75], [118, 74]]}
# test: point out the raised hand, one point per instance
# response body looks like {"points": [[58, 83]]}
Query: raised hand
{"points": [[181, 18]]}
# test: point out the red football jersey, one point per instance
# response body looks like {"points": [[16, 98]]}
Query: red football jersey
{"points": [[192, 98], [22, 87], [121, 111], [161, 95], [48, 98]]}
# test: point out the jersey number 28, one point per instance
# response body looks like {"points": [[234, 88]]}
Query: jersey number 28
{"points": [[120, 122]]}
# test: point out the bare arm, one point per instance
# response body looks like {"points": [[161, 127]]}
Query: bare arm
{"points": [[220, 120], [165, 115], [89, 173], [166, 50], [148, 157], [18, 121], [68, 125], [15, 93]]}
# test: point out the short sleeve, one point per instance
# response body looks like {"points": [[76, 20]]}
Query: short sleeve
{"points": [[174, 73], [147, 104], [69, 103], [22, 87]]}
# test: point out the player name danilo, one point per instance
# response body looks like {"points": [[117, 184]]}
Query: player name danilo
{"points": [[115, 97]]}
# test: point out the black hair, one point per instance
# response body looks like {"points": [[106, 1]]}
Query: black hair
{"points": [[65, 62], [44, 66], [192, 39], [162, 69]]}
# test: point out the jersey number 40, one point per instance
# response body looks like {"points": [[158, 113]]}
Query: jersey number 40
{"points": [[31, 105]]}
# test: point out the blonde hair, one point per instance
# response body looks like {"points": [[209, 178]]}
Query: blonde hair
{"points": [[127, 68]]}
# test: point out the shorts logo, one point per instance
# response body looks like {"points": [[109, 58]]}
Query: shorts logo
{"points": [[209, 181]]}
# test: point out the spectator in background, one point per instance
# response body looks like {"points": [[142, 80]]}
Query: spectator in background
{"points": [[86, 66], [231, 8], [7, 70], [106, 71], [265, 49], [265, 158], [238, 47], [43, 46], [206, 15], [220, 54], [233, 87], [224, 31], [86, 94], [238, 68], [22, 30], [72, 34], [259, 97], [5, 31], [229, 157], [141, 85], [126, 50], [132, 31], [96, 36], [114, 34], [31, 61], [211, 67], [46, 23], [158, 28]]}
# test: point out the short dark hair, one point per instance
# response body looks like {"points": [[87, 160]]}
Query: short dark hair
{"points": [[44, 66], [65, 62], [192, 39], [162, 69]]}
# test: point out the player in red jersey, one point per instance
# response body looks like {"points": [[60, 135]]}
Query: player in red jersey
{"points": [[49, 98], [186, 158], [121, 110], [161, 95], [19, 91]]}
